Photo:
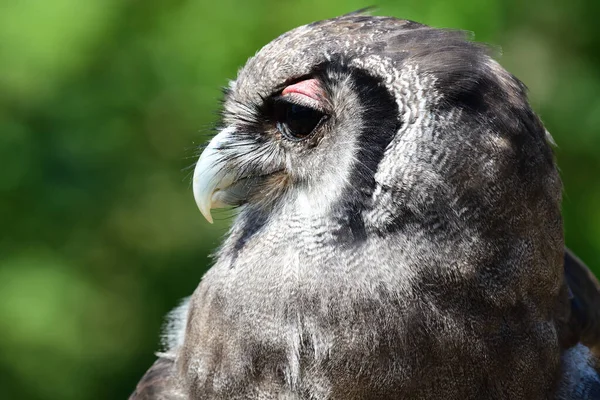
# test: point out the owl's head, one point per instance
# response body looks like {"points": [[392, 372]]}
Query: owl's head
{"points": [[380, 123]]}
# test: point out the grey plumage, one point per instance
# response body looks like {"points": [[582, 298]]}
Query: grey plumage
{"points": [[408, 244]]}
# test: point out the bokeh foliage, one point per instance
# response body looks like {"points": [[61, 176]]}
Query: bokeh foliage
{"points": [[103, 104]]}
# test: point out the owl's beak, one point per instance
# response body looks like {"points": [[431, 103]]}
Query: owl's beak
{"points": [[228, 173], [211, 175]]}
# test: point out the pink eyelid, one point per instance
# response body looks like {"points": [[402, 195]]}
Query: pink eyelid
{"points": [[310, 88]]}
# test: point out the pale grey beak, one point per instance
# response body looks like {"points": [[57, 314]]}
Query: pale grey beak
{"points": [[211, 175]]}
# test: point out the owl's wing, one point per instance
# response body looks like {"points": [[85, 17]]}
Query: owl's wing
{"points": [[585, 301], [580, 363], [159, 383]]}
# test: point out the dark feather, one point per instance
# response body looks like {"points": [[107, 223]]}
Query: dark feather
{"points": [[585, 301], [158, 383]]}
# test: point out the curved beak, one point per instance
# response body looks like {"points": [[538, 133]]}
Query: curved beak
{"points": [[211, 175]]}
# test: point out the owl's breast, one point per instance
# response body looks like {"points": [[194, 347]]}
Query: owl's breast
{"points": [[360, 323]]}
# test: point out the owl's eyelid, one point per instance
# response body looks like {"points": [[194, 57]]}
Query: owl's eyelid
{"points": [[301, 100]]}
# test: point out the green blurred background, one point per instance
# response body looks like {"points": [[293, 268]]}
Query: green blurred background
{"points": [[102, 106]]}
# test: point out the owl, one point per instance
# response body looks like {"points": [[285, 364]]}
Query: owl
{"points": [[398, 235]]}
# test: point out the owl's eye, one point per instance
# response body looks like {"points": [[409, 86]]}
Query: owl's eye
{"points": [[296, 122]]}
